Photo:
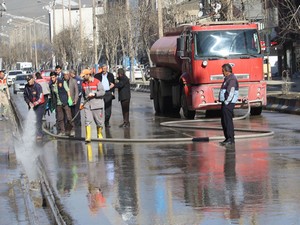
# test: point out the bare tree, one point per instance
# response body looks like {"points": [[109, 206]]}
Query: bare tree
{"points": [[148, 27], [289, 18]]}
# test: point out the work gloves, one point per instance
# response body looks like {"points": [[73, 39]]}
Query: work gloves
{"points": [[70, 101]]}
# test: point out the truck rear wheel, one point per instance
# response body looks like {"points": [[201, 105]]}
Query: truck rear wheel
{"points": [[155, 96], [255, 111], [188, 114], [165, 102]]}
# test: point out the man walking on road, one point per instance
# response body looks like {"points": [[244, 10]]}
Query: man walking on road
{"points": [[107, 79], [229, 94], [124, 95]]}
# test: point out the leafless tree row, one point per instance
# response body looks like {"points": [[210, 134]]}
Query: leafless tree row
{"points": [[125, 32]]}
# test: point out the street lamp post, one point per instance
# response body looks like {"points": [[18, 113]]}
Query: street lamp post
{"points": [[35, 46]]}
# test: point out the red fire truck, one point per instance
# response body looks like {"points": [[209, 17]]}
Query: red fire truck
{"points": [[188, 60]]}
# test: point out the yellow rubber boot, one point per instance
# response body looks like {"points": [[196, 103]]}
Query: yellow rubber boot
{"points": [[89, 152], [88, 133], [99, 132]]}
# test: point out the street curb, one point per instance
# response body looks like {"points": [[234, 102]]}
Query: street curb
{"points": [[140, 87], [284, 105]]}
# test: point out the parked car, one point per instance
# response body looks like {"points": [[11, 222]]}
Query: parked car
{"points": [[46, 74], [138, 73], [28, 70], [11, 76], [20, 82]]}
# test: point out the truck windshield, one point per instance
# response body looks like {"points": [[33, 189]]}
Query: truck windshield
{"points": [[226, 43]]}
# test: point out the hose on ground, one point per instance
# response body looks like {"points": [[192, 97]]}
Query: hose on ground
{"points": [[179, 124]]}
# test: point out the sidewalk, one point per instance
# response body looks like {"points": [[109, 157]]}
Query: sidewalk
{"points": [[285, 103]]}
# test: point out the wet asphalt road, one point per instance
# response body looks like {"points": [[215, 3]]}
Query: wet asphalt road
{"points": [[256, 182]]}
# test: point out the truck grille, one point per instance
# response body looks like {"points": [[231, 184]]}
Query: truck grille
{"points": [[243, 92]]}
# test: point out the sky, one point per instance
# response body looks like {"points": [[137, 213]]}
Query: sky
{"points": [[33, 8]]}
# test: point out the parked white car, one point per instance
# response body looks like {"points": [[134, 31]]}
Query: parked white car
{"points": [[11, 76], [138, 73]]}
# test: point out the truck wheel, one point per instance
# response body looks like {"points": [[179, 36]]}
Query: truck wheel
{"points": [[255, 111], [165, 103], [188, 114], [155, 96]]}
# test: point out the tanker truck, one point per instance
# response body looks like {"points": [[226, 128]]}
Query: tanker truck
{"points": [[188, 63]]}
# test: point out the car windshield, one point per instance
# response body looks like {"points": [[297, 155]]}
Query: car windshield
{"points": [[47, 73], [227, 43], [15, 72], [21, 77]]}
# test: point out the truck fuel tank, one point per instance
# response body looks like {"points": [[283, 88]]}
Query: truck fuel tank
{"points": [[163, 53]]}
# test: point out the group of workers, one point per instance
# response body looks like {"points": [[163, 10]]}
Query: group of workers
{"points": [[67, 94], [65, 91]]}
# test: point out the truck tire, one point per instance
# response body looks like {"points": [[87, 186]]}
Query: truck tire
{"points": [[155, 96], [188, 114], [255, 111], [165, 102]]}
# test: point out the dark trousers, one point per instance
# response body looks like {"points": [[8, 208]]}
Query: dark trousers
{"points": [[61, 112], [227, 120], [108, 97], [39, 112], [74, 110], [125, 110]]}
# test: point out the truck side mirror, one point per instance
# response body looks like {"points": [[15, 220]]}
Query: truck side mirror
{"points": [[180, 47]]}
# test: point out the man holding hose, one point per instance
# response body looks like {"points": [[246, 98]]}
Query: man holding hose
{"points": [[92, 92]]}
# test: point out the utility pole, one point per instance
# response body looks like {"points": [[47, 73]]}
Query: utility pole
{"points": [[160, 20], [54, 31], [70, 20], [95, 33], [35, 46], [130, 45], [63, 13], [80, 25]]}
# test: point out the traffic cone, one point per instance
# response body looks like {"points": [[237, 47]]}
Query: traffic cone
{"points": [[88, 133]]}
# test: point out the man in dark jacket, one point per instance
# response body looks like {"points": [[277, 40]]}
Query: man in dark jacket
{"points": [[229, 94], [75, 110], [34, 97], [124, 96], [107, 79]]}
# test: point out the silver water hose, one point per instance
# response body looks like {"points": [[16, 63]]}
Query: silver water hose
{"points": [[179, 124], [81, 108]]}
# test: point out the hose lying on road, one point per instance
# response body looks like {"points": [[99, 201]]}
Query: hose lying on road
{"points": [[179, 124]]}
